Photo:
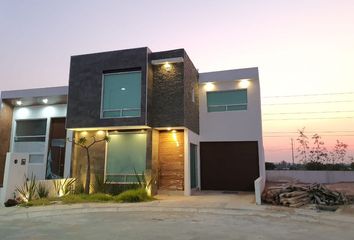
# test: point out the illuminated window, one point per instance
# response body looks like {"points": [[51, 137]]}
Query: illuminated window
{"points": [[126, 155], [121, 95], [222, 101]]}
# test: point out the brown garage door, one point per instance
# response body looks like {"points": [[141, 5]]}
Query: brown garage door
{"points": [[229, 166]]}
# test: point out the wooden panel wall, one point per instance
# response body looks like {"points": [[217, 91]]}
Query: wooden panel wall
{"points": [[171, 160], [5, 132]]}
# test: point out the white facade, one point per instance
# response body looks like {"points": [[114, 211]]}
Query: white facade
{"points": [[38, 167], [242, 125]]}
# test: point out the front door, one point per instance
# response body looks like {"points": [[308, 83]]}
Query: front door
{"points": [[194, 167], [56, 149]]}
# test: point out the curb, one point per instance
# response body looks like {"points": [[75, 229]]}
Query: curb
{"points": [[62, 210]]}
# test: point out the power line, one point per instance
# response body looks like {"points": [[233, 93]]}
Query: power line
{"points": [[345, 131], [342, 135], [290, 119], [309, 95], [320, 112], [298, 103]]}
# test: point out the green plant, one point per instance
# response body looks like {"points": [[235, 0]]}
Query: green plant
{"points": [[115, 189], [142, 181], [64, 187], [100, 185], [28, 190], [81, 198], [42, 190], [79, 187], [134, 195]]}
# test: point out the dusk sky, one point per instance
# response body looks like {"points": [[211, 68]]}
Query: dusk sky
{"points": [[303, 48]]}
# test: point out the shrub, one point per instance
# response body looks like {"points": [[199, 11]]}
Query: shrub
{"points": [[10, 203], [65, 187], [42, 190], [134, 195], [352, 166], [79, 187], [28, 190], [115, 189], [269, 166], [315, 166], [82, 198]]}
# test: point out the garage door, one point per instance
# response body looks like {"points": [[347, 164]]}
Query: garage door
{"points": [[229, 166]]}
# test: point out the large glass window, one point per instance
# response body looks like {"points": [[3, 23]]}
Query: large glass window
{"points": [[31, 130], [232, 100], [121, 95], [30, 136], [126, 153]]}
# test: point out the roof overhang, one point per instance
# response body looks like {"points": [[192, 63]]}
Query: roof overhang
{"points": [[35, 96], [167, 60]]}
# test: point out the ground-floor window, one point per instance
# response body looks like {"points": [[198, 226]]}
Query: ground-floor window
{"points": [[126, 153]]}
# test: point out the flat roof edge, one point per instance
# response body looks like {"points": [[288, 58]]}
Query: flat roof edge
{"points": [[35, 92], [229, 75]]}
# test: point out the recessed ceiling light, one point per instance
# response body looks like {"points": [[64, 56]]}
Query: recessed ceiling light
{"points": [[19, 102], [167, 66], [45, 100], [123, 89]]}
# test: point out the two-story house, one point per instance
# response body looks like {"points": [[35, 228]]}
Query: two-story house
{"points": [[189, 130]]}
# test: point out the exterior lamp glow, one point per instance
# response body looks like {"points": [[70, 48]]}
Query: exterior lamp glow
{"points": [[168, 129], [100, 132], [45, 100], [18, 102], [244, 83], [123, 89], [167, 66], [209, 86]]}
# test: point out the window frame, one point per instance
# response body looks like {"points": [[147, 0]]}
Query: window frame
{"points": [[228, 105], [102, 95], [123, 174]]}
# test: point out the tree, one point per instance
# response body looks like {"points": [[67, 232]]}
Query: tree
{"points": [[302, 149], [339, 152], [86, 145], [318, 152]]}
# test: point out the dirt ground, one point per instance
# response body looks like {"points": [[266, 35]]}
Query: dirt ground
{"points": [[345, 187]]}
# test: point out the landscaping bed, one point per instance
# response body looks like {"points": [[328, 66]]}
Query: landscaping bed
{"points": [[133, 195]]}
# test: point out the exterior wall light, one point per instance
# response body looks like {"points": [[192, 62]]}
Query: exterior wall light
{"points": [[45, 100], [100, 132], [123, 89], [168, 129], [244, 83], [18, 102], [209, 86], [167, 66]]}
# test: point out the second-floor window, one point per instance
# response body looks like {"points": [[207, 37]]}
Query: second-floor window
{"points": [[121, 95], [230, 100]]}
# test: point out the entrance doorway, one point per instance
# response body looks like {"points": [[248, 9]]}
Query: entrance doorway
{"points": [[194, 166], [56, 149]]}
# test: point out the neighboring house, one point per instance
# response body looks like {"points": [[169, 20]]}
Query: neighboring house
{"points": [[189, 130]]}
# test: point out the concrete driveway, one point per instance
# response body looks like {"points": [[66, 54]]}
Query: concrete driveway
{"points": [[211, 216]]}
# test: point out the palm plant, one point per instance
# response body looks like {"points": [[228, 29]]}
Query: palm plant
{"points": [[28, 190], [42, 190]]}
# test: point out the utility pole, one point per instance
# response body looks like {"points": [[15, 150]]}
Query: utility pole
{"points": [[292, 150]]}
